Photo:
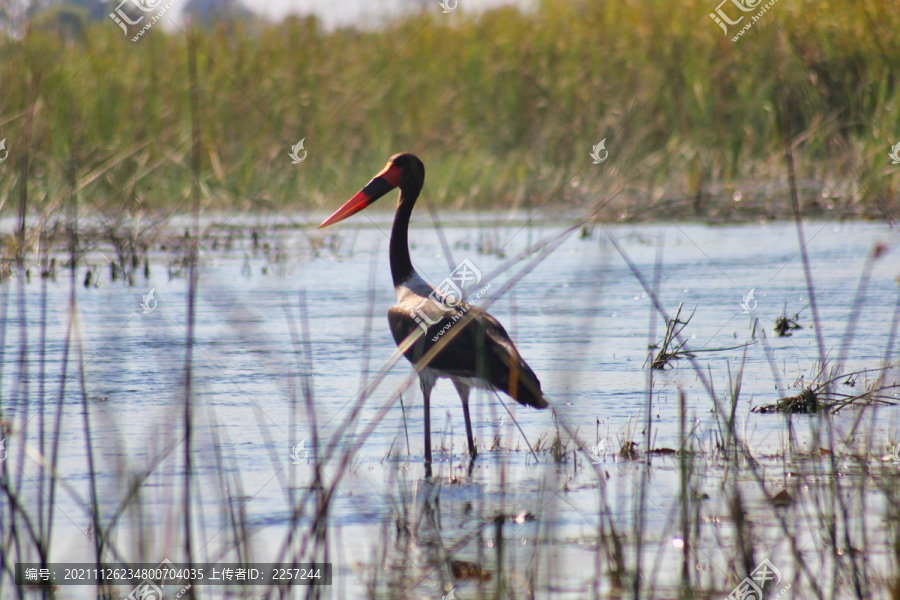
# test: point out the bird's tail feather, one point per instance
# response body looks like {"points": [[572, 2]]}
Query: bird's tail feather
{"points": [[522, 385]]}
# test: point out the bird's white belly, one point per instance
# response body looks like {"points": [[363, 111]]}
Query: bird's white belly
{"points": [[430, 375]]}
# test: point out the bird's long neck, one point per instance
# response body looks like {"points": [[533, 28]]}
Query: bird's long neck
{"points": [[401, 265]]}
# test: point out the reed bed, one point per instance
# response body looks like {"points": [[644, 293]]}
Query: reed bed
{"points": [[506, 106]]}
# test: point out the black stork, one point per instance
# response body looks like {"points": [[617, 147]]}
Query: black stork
{"points": [[480, 353]]}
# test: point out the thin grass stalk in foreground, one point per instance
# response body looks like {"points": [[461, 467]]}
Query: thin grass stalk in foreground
{"points": [[43, 480], [96, 522], [787, 111], [858, 301], [24, 168], [303, 356], [640, 507], [788, 108], [192, 299], [686, 539]]}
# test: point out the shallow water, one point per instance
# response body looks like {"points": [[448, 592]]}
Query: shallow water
{"points": [[579, 317]]}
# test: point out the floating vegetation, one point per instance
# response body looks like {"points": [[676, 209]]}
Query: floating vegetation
{"points": [[782, 499], [785, 326], [629, 451], [670, 350], [805, 402], [824, 396], [469, 571], [663, 451], [91, 277]]}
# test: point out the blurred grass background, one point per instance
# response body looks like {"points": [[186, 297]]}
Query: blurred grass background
{"points": [[503, 106]]}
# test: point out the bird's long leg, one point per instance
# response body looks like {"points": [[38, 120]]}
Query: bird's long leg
{"points": [[426, 394], [463, 391]]}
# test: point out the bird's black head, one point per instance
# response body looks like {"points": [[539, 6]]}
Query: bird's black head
{"points": [[412, 171], [403, 170]]}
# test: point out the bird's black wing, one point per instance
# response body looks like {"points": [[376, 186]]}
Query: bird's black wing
{"points": [[470, 343]]}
